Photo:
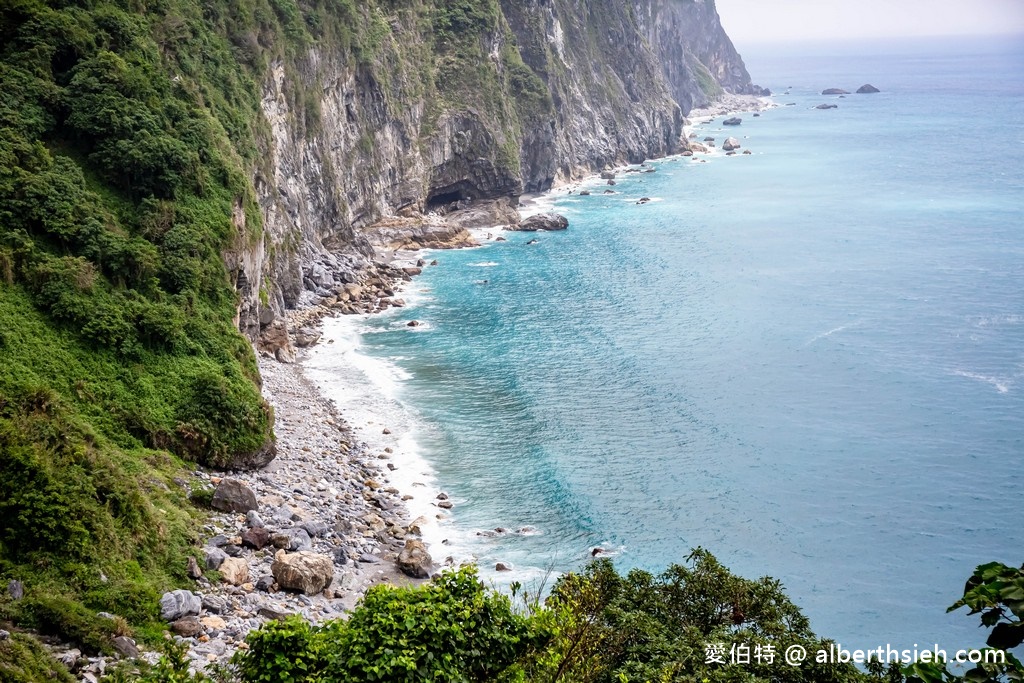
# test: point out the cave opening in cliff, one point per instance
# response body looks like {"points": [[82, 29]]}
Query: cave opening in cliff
{"points": [[438, 202]]}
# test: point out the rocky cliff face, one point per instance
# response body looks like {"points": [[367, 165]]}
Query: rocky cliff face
{"points": [[456, 101]]}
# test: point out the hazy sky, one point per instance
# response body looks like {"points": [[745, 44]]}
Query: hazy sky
{"points": [[759, 21]]}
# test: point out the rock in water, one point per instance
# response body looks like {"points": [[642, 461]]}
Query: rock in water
{"points": [[304, 571], [834, 91], [734, 121], [233, 496], [867, 89], [414, 560], [827, 106], [730, 144], [178, 604], [543, 221], [235, 571]]}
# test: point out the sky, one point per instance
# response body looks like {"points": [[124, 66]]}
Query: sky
{"points": [[765, 21]]}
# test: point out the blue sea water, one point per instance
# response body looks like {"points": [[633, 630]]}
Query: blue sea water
{"points": [[809, 360]]}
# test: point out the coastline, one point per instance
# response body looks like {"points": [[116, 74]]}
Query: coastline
{"points": [[349, 464]]}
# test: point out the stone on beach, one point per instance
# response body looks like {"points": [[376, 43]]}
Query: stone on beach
{"points": [[414, 560], [180, 603], [232, 495], [304, 572], [235, 571]]}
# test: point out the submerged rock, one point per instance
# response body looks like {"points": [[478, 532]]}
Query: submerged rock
{"points": [[834, 91], [827, 106], [734, 121]]}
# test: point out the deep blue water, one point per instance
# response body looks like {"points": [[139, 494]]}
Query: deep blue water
{"points": [[809, 360]]}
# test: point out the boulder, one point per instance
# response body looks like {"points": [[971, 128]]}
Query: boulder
{"points": [[292, 539], [827, 106], [502, 567], [584, 193], [304, 572], [235, 571], [187, 627], [232, 495], [834, 91], [214, 557], [414, 560], [215, 604], [125, 647], [256, 537], [867, 89], [734, 121], [306, 336], [193, 570], [730, 144], [180, 603], [697, 147], [543, 221], [608, 175], [16, 589]]}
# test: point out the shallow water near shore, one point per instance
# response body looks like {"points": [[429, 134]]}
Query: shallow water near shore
{"points": [[809, 360]]}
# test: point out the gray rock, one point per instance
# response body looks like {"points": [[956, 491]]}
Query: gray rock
{"points": [[273, 613], [215, 604], [218, 541], [734, 121], [4, 635], [867, 89], [414, 560], [730, 144], [543, 221], [125, 647], [69, 658], [834, 91], [367, 558], [306, 336], [315, 528], [827, 106], [502, 567], [233, 496], [178, 604], [16, 589], [265, 584], [292, 539], [253, 519]]}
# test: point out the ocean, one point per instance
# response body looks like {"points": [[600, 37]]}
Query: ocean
{"points": [[808, 360]]}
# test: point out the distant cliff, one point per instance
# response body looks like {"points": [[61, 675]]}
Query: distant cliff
{"points": [[465, 100]]}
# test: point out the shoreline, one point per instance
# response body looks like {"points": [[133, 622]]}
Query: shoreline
{"points": [[341, 470]]}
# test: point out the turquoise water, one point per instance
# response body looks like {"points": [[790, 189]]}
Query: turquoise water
{"points": [[809, 360]]}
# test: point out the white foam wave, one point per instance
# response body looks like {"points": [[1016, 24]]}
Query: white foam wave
{"points": [[485, 264], [829, 333], [367, 392], [1002, 385]]}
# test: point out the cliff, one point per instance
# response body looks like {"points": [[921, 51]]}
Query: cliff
{"points": [[176, 174], [463, 101]]}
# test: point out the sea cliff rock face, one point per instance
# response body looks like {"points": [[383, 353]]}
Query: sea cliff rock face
{"points": [[445, 105]]}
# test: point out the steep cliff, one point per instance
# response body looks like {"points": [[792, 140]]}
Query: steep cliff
{"points": [[174, 171], [463, 100]]}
